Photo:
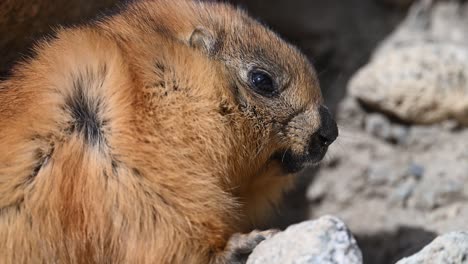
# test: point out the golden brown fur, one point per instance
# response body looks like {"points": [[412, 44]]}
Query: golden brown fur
{"points": [[127, 141]]}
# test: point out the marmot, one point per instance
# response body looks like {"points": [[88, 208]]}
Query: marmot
{"points": [[153, 136]]}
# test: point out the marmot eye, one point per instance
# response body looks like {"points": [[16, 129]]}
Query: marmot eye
{"points": [[261, 82]]}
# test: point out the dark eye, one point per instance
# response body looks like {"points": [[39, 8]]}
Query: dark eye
{"points": [[262, 82]]}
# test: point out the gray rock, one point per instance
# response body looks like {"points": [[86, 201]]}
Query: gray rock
{"points": [[451, 248], [416, 170], [378, 125], [420, 73], [381, 127], [399, 134], [323, 241]]}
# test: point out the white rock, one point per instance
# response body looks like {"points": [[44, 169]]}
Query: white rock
{"points": [[451, 248], [323, 241], [420, 73]]}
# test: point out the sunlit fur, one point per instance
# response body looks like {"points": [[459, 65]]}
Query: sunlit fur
{"points": [[122, 143]]}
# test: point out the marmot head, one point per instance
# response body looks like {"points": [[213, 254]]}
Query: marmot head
{"points": [[273, 84], [268, 81]]}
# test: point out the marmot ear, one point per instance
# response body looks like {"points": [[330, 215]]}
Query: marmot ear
{"points": [[204, 40]]}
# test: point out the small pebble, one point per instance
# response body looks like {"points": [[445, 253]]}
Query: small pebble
{"points": [[416, 170], [378, 125]]}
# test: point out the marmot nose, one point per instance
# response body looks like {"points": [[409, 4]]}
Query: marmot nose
{"points": [[328, 131]]}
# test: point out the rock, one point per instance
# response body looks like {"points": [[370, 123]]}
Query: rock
{"points": [[399, 134], [378, 125], [420, 73], [381, 127], [416, 170], [451, 248], [325, 240]]}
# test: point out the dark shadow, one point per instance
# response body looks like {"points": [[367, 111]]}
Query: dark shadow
{"points": [[295, 207], [24, 22], [389, 247]]}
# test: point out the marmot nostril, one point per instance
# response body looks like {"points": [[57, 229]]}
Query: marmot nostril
{"points": [[328, 131], [324, 141]]}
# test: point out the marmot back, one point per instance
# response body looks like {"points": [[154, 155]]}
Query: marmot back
{"points": [[153, 136]]}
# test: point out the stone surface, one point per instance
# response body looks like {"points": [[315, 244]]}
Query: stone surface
{"points": [[323, 241], [378, 125], [451, 248], [420, 73]]}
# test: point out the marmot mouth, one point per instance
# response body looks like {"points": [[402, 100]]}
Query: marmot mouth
{"points": [[294, 163]]}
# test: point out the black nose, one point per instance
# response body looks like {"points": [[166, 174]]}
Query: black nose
{"points": [[328, 131]]}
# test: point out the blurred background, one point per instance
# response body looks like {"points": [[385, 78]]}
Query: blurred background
{"points": [[395, 74]]}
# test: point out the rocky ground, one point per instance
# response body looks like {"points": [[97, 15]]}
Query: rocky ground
{"points": [[395, 193], [397, 175]]}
